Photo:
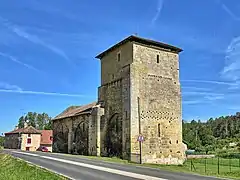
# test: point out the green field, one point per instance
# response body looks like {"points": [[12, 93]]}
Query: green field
{"points": [[15, 169], [209, 167], [214, 166]]}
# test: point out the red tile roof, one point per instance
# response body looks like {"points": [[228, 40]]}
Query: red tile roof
{"points": [[27, 130], [75, 110], [46, 137]]}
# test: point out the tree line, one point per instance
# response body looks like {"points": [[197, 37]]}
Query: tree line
{"points": [[40, 121], [213, 134], [1, 141]]}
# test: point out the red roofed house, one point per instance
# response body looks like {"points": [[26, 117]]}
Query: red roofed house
{"points": [[28, 139], [46, 139]]}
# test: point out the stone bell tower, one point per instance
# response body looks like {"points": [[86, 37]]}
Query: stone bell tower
{"points": [[140, 93]]}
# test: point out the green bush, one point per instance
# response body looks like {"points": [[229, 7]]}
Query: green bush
{"points": [[230, 155]]}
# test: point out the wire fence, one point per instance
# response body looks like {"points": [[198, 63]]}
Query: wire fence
{"points": [[215, 165]]}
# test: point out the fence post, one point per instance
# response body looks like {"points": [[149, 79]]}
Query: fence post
{"points": [[230, 164], [191, 164], [218, 166], [205, 165]]}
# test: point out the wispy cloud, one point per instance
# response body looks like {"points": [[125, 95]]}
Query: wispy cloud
{"points": [[209, 82], [195, 88], [20, 91], [228, 11], [159, 9], [214, 97], [231, 70], [191, 102], [202, 93], [33, 38], [7, 86], [18, 62], [51, 9], [201, 97], [237, 108]]}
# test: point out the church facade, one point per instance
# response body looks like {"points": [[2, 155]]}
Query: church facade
{"points": [[139, 96]]}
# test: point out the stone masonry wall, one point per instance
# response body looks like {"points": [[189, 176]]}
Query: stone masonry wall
{"points": [[70, 135], [114, 93], [12, 141], [155, 79], [94, 133]]}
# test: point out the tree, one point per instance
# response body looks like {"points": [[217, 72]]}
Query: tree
{"points": [[47, 121], [31, 119], [1, 141], [215, 133], [38, 120], [21, 122]]}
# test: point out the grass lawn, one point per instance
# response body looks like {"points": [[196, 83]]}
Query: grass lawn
{"points": [[14, 169], [226, 171]]}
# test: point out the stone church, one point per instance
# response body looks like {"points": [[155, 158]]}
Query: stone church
{"points": [[139, 95]]}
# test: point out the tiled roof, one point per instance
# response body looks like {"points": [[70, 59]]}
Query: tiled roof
{"points": [[27, 130], [46, 137], [137, 39], [75, 110]]}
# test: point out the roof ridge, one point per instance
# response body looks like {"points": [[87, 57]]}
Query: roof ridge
{"points": [[75, 111]]}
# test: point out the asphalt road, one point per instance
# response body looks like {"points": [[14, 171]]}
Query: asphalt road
{"points": [[81, 168]]}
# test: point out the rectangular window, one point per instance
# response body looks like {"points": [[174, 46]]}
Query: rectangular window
{"points": [[159, 130], [29, 135], [157, 58], [118, 57], [29, 141]]}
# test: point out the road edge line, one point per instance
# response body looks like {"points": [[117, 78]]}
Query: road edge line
{"points": [[41, 167]]}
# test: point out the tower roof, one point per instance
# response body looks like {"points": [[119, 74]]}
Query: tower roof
{"points": [[149, 42]]}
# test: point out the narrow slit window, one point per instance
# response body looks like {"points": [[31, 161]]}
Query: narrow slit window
{"points": [[118, 57], [117, 127], [83, 127], [157, 58], [159, 130]]}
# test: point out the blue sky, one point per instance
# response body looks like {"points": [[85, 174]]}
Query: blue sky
{"points": [[47, 51]]}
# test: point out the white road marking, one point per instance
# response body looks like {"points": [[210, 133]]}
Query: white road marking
{"points": [[109, 170], [114, 171], [25, 153]]}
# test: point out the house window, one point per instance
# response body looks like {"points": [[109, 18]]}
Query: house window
{"points": [[157, 58], [29, 135], [29, 141], [118, 57], [159, 130]]}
